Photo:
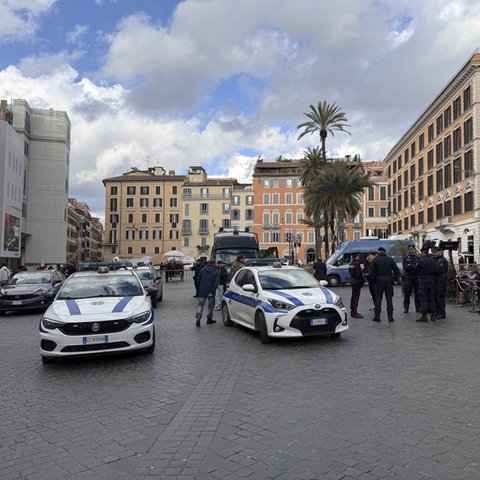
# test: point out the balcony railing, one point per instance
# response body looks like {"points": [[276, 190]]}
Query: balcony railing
{"points": [[444, 221]]}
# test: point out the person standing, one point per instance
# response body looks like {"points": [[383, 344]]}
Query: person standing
{"points": [[366, 274], [356, 281], [4, 274], [384, 272], [222, 284], [425, 269], [237, 265], [208, 278], [410, 279], [441, 282], [320, 269], [196, 270]]}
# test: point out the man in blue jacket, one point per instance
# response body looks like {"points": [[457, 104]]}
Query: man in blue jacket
{"points": [[207, 279]]}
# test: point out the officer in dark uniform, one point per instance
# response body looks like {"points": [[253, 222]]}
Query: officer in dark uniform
{"points": [[383, 271], [441, 282], [410, 279], [425, 269], [356, 281]]}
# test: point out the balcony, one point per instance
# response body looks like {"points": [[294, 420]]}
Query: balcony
{"points": [[445, 225], [203, 231], [421, 228]]}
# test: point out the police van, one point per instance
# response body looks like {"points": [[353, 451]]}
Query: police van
{"points": [[337, 264]]}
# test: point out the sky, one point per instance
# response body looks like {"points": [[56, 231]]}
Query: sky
{"points": [[222, 83]]}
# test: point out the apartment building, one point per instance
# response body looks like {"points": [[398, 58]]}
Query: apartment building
{"points": [[142, 214], [433, 169], [243, 207], [206, 208]]}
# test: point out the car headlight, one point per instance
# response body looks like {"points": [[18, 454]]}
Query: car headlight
{"points": [[140, 318], [50, 324], [280, 304], [339, 303]]}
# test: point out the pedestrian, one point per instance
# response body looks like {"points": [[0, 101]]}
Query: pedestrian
{"points": [[384, 272], [320, 269], [356, 281], [196, 270], [425, 269], [461, 263], [366, 274], [222, 284], [237, 265], [441, 282], [410, 279], [208, 278], [4, 274]]}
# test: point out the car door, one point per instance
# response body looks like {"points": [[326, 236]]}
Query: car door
{"points": [[247, 300]]}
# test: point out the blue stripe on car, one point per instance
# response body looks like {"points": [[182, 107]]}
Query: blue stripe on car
{"points": [[294, 300], [121, 304], [251, 302], [72, 306], [328, 294]]}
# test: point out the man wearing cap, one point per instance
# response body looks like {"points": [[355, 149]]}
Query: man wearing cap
{"points": [[410, 279], [425, 269], [383, 272], [441, 282]]}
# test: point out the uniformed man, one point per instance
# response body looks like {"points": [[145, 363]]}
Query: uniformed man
{"points": [[383, 272], [356, 281], [425, 269], [410, 279], [441, 282]]}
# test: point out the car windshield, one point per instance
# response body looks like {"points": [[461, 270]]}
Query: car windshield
{"points": [[283, 279], [100, 286], [144, 274], [32, 278]]}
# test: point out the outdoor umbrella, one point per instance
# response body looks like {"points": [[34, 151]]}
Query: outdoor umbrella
{"points": [[173, 253]]}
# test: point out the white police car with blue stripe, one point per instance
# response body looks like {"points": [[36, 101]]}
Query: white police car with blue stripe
{"points": [[282, 301], [98, 312]]}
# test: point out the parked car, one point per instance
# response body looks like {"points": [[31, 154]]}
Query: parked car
{"points": [[30, 290], [152, 282], [282, 301], [98, 312]]}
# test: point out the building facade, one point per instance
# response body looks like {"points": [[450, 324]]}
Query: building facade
{"points": [[433, 169]]}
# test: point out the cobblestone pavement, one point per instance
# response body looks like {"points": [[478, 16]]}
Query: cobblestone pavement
{"points": [[396, 401]]}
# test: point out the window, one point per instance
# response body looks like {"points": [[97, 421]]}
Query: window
{"points": [[174, 190], [276, 220], [275, 198], [467, 98], [457, 171], [467, 131], [420, 190], [157, 202], [174, 219], [457, 108], [203, 226], [266, 199], [412, 220], [430, 159], [420, 166], [457, 139], [447, 208], [412, 149], [144, 190], [157, 190], [226, 193], [173, 202], [412, 196], [144, 202], [457, 205], [114, 218], [412, 172], [430, 132], [405, 156], [130, 234], [447, 146], [225, 208], [204, 192], [157, 218], [130, 190], [187, 193], [468, 201], [439, 211], [130, 202], [430, 185], [383, 212], [186, 227], [249, 200], [288, 198], [288, 218], [113, 204], [236, 200], [186, 209], [204, 209], [235, 214], [113, 190], [447, 175], [383, 193], [405, 198], [130, 218], [144, 218], [291, 182], [157, 234], [405, 177], [439, 180], [439, 124], [173, 235], [430, 215], [447, 117], [371, 193], [421, 142], [130, 250], [420, 218], [143, 234], [266, 219], [468, 164], [248, 214], [439, 152], [371, 212], [299, 198]]}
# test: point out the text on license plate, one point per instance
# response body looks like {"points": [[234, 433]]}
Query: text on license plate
{"points": [[95, 339], [318, 321]]}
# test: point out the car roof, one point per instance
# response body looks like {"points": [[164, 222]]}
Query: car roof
{"points": [[95, 273]]}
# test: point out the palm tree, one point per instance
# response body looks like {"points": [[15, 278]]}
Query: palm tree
{"points": [[326, 118], [337, 191]]}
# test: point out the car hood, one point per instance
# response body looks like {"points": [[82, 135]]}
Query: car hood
{"points": [[25, 289], [304, 296], [120, 307]]}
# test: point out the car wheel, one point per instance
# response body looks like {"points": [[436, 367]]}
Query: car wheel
{"points": [[227, 321], [151, 348], [262, 328], [333, 281], [47, 360]]}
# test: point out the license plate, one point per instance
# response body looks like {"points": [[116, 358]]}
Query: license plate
{"points": [[318, 321], [16, 302], [95, 339]]}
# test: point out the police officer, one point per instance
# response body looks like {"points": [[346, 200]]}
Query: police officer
{"points": [[410, 279], [383, 272], [356, 281], [425, 269], [441, 282]]}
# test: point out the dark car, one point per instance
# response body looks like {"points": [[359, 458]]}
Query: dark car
{"points": [[30, 290], [152, 282]]}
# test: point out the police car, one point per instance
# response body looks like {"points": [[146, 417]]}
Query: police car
{"points": [[98, 312], [282, 301]]}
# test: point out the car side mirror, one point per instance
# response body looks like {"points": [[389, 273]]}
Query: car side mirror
{"points": [[249, 287]]}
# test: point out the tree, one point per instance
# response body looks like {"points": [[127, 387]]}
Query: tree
{"points": [[326, 118], [337, 191]]}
